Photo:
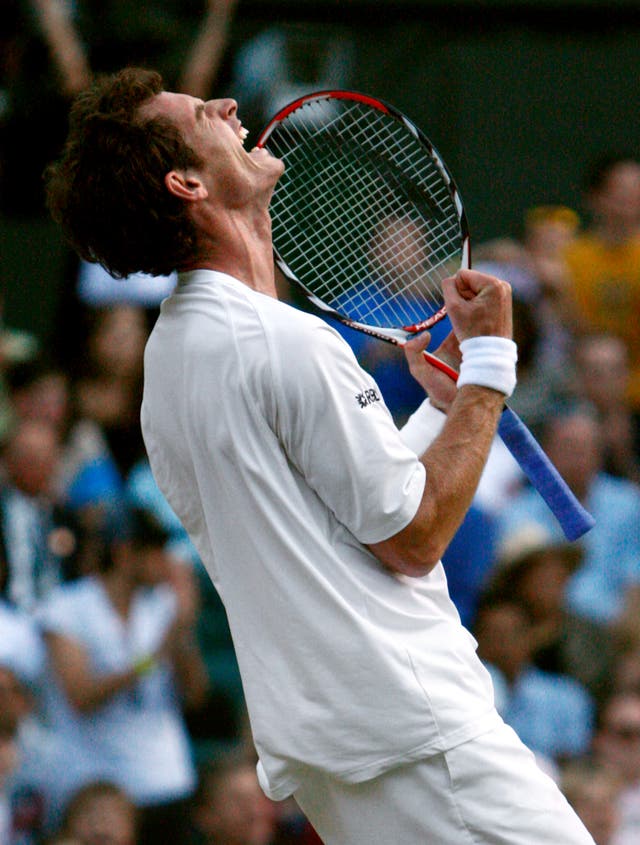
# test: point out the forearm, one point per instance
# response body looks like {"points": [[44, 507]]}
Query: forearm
{"points": [[203, 61], [65, 46], [479, 307], [90, 693], [189, 668], [454, 463]]}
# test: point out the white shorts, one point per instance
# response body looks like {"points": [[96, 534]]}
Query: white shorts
{"points": [[488, 791]]}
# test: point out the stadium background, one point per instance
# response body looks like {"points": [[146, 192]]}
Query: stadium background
{"points": [[517, 96]]}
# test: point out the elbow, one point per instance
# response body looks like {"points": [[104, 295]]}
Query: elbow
{"points": [[417, 549], [419, 563], [415, 560]]}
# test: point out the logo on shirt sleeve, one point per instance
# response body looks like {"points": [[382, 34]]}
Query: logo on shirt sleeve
{"points": [[367, 397]]}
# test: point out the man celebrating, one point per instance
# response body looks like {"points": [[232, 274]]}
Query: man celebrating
{"points": [[320, 524]]}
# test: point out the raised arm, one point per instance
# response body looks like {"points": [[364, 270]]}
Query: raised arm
{"points": [[65, 45], [478, 306], [204, 59]]}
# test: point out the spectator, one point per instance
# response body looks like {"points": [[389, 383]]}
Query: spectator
{"points": [[551, 713], [120, 645], [33, 534], [86, 482], [602, 377], [100, 813], [21, 665], [537, 269], [219, 721], [39, 390], [534, 569], [611, 563], [593, 792], [616, 746], [604, 261], [108, 389], [548, 231], [230, 808]]}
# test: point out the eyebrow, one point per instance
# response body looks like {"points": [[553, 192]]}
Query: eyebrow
{"points": [[199, 111]]}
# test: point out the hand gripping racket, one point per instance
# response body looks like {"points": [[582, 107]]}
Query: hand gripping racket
{"points": [[368, 222]]}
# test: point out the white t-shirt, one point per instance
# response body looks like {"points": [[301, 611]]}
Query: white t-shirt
{"points": [[137, 738], [277, 453]]}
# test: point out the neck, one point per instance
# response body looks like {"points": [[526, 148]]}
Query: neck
{"points": [[241, 247]]}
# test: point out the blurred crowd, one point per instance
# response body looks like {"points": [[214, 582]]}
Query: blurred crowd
{"points": [[122, 719]]}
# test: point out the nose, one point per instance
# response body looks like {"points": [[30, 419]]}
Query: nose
{"points": [[225, 108]]}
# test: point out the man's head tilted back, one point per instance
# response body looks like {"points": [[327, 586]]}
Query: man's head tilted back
{"points": [[108, 190]]}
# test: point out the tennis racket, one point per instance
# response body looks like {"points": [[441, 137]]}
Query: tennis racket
{"points": [[367, 221]]}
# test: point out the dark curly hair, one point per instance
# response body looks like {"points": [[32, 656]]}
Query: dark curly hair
{"points": [[107, 190]]}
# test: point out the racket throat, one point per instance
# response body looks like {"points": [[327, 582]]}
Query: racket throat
{"points": [[426, 324]]}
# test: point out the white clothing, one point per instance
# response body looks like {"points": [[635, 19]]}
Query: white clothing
{"points": [[487, 791], [137, 738], [21, 647], [628, 830], [275, 450]]}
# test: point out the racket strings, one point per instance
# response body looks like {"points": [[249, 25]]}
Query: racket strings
{"points": [[363, 216], [367, 137]]}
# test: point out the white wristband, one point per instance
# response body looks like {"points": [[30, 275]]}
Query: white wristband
{"points": [[489, 362]]}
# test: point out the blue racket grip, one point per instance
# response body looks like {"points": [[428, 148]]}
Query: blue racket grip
{"points": [[573, 518]]}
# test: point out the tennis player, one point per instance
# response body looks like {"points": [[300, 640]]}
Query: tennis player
{"points": [[320, 523]]}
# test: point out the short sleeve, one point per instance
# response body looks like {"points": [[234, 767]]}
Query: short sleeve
{"points": [[339, 434]]}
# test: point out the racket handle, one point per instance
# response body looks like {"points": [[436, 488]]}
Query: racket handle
{"points": [[573, 518]]}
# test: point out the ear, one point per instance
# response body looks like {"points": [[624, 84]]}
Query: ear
{"points": [[185, 186]]}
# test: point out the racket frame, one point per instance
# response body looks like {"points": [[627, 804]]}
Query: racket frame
{"points": [[401, 334]]}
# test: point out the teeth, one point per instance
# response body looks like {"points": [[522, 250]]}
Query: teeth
{"points": [[244, 132]]}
